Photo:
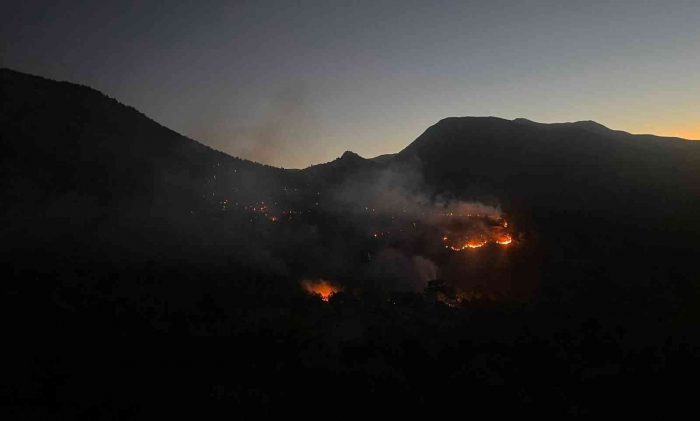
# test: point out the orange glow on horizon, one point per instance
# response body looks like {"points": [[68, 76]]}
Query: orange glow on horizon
{"points": [[694, 135], [684, 131], [683, 134]]}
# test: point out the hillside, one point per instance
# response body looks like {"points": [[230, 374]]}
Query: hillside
{"points": [[579, 166], [617, 215], [75, 162]]}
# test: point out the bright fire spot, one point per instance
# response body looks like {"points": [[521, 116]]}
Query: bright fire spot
{"points": [[320, 287], [273, 219], [444, 238], [505, 239], [474, 244], [471, 244]]}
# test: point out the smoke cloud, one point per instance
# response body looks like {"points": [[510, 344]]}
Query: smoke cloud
{"points": [[399, 190], [282, 130]]}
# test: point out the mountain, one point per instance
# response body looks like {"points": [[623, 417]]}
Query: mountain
{"points": [[75, 162], [382, 159], [349, 165], [613, 212], [580, 166]]}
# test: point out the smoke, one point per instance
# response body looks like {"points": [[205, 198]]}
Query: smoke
{"points": [[285, 125], [400, 191], [336, 241], [397, 196], [394, 270]]}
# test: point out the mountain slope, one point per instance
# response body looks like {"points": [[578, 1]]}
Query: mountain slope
{"points": [[73, 159], [572, 166], [340, 169], [617, 215]]}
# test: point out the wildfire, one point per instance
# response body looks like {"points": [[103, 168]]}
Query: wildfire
{"points": [[479, 236], [320, 287], [475, 244], [504, 239]]}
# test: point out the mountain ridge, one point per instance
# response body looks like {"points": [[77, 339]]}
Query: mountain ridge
{"points": [[87, 144]]}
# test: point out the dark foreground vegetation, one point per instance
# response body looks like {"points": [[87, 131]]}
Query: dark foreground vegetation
{"points": [[165, 338]]}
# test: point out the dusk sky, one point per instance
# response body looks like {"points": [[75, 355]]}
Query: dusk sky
{"points": [[297, 83]]}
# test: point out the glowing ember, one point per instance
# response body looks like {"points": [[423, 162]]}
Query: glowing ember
{"points": [[320, 287]]}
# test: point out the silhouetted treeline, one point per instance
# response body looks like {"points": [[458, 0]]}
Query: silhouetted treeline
{"points": [[164, 337]]}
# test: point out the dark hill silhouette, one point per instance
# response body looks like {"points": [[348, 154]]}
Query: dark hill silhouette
{"points": [[335, 172], [381, 159], [75, 160], [615, 212], [579, 166], [77, 138]]}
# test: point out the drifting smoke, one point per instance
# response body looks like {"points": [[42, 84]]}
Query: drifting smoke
{"points": [[400, 191], [399, 195], [380, 227], [279, 134], [397, 271]]}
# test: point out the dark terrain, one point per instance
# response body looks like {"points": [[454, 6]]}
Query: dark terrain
{"points": [[138, 282]]}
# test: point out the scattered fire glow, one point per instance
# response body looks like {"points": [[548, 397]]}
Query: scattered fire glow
{"points": [[471, 244], [476, 231], [320, 287]]}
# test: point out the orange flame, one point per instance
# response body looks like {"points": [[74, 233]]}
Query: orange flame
{"points": [[320, 287], [505, 239], [475, 244]]}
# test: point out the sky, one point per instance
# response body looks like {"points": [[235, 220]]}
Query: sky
{"points": [[295, 83]]}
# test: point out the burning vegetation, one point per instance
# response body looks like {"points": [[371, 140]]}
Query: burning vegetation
{"points": [[476, 231], [320, 287], [387, 231]]}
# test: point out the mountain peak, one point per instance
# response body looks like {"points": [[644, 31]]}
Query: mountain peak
{"points": [[350, 155], [592, 126]]}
